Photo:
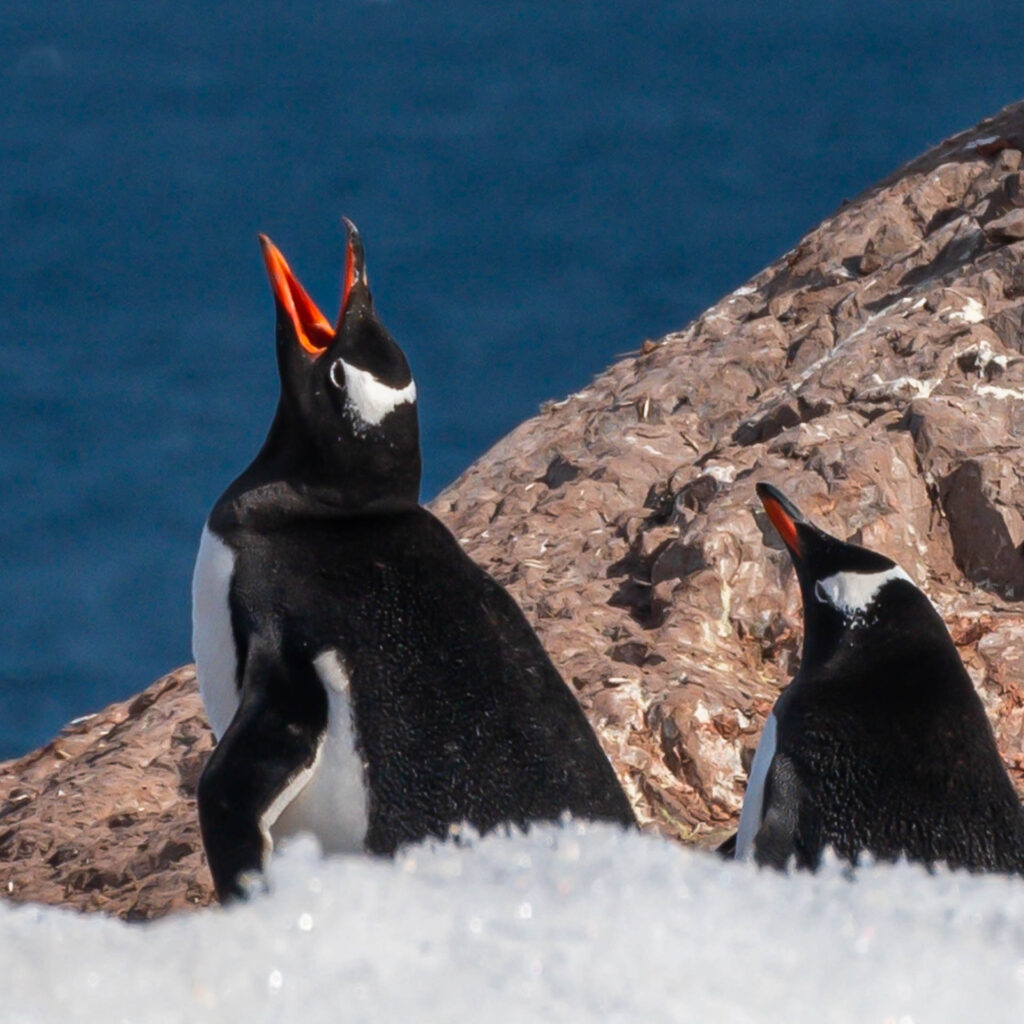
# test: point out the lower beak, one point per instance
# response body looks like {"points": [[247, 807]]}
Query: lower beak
{"points": [[312, 328]]}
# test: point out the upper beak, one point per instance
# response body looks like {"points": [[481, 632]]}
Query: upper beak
{"points": [[355, 266], [312, 328], [784, 516]]}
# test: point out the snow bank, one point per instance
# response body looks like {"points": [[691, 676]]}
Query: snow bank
{"points": [[582, 923]]}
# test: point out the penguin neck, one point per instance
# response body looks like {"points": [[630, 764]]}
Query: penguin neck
{"points": [[904, 640], [292, 477]]}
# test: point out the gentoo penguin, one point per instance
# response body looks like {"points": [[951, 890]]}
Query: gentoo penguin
{"points": [[879, 743], [366, 680]]}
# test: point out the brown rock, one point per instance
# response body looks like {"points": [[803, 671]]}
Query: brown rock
{"points": [[103, 818], [1008, 228], [875, 373]]}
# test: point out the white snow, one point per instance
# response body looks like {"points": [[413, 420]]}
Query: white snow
{"points": [[574, 924]]}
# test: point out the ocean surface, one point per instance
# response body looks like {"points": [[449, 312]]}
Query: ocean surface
{"points": [[540, 187]]}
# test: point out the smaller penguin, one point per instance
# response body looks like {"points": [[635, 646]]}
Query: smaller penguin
{"points": [[366, 680], [880, 742]]}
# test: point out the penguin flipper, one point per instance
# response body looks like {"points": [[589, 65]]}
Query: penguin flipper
{"points": [[785, 819], [262, 761]]}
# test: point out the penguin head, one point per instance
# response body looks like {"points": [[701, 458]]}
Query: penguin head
{"points": [[846, 589], [347, 415]]}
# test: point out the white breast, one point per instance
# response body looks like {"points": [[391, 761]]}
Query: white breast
{"points": [[213, 641], [332, 803], [753, 802]]}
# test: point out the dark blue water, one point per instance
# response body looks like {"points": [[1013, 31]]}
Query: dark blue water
{"points": [[540, 187]]}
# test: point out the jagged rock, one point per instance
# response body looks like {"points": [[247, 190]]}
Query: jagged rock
{"points": [[103, 818], [875, 373]]}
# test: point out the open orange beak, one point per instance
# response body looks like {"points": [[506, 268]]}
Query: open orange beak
{"points": [[781, 513], [312, 328]]}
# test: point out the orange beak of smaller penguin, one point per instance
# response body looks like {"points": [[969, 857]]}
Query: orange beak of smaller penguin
{"points": [[312, 329], [782, 521]]}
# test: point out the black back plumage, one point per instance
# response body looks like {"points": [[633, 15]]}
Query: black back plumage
{"points": [[459, 714], [882, 742]]}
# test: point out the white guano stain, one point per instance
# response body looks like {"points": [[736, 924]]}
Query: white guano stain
{"points": [[722, 472], [985, 356], [972, 312], [1003, 394]]}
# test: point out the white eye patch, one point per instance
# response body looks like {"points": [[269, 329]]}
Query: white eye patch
{"points": [[368, 399], [852, 593]]}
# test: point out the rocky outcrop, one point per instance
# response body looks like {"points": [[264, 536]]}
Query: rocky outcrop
{"points": [[875, 374], [103, 818]]}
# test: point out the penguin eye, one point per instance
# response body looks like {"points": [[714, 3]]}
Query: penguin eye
{"points": [[821, 593], [337, 374]]}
